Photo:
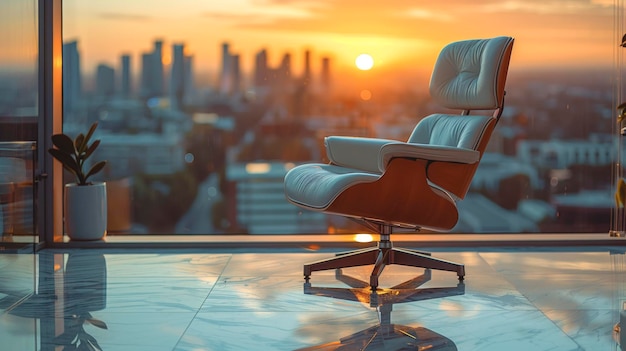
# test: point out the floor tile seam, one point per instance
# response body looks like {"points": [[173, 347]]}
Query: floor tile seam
{"points": [[493, 269], [549, 274], [199, 310], [161, 278], [505, 277], [15, 304], [543, 312]]}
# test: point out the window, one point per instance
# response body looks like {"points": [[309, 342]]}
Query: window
{"points": [[18, 118], [203, 107]]}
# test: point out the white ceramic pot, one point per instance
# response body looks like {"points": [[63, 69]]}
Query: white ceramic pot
{"points": [[86, 211]]}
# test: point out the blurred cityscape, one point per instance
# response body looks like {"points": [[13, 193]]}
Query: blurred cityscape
{"points": [[207, 156]]}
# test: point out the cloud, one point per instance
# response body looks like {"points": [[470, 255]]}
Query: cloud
{"points": [[429, 14], [274, 10], [550, 7], [123, 16]]}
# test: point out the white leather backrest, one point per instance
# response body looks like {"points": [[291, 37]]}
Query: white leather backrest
{"points": [[470, 74]]}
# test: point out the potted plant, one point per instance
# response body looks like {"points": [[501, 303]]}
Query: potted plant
{"points": [[85, 201]]}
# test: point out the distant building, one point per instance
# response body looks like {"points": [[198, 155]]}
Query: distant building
{"points": [[125, 79], [188, 78], [152, 82], [261, 206], [177, 77], [560, 154], [225, 83], [235, 74], [284, 71], [159, 80], [105, 80], [230, 78], [306, 78], [72, 85], [325, 74], [147, 153], [261, 74], [181, 77]]}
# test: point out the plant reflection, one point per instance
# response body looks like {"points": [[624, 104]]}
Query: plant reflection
{"points": [[83, 291], [386, 335], [75, 337]]}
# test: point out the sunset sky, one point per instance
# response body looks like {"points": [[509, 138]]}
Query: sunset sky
{"points": [[401, 35]]}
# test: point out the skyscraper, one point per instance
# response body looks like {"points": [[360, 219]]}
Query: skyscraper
{"points": [[126, 83], [145, 90], [260, 69], [105, 80], [285, 67], [177, 78], [226, 79], [159, 81], [189, 81], [307, 68], [325, 75], [152, 81], [72, 85], [236, 74]]}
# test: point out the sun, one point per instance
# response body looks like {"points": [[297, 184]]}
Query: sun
{"points": [[364, 62]]}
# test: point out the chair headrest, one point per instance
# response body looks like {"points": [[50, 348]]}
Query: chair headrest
{"points": [[471, 74]]}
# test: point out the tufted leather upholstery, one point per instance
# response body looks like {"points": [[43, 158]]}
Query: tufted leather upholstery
{"points": [[416, 183], [466, 74]]}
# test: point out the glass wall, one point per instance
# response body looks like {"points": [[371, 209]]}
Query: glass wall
{"points": [[18, 135], [203, 106], [18, 121]]}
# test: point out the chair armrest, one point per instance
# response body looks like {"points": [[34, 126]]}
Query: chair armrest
{"points": [[426, 152], [354, 152]]}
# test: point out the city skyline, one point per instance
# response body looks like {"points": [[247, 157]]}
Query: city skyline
{"points": [[400, 36], [135, 68]]}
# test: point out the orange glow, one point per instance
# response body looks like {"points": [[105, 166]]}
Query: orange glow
{"points": [[258, 167], [366, 95], [363, 238], [167, 59]]}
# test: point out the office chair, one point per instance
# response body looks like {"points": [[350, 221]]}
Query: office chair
{"points": [[414, 184]]}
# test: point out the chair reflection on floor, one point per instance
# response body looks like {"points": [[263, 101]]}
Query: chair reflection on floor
{"points": [[386, 335]]}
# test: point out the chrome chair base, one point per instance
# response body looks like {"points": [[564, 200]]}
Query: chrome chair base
{"points": [[382, 256]]}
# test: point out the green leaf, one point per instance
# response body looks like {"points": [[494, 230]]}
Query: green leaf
{"points": [[64, 143], [98, 323], [79, 144], [67, 161], [96, 168], [92, 148], [73, 153], [92, 129]]}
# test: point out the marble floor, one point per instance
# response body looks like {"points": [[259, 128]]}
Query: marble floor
{"points": [[192, 300]]}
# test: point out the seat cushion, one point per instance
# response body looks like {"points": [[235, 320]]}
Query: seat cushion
{"points": [[316, 185]]}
